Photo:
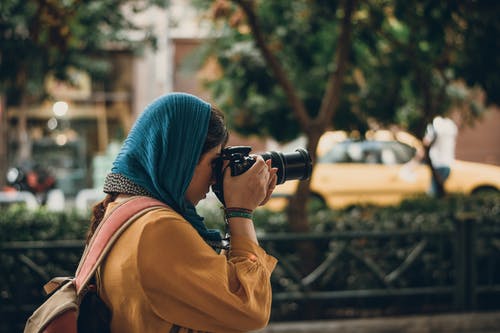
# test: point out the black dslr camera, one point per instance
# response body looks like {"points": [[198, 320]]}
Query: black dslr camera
{"points": [[296, 165]]}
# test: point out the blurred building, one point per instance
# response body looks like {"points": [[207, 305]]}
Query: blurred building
{"points": [[481, 142], [66, 132]]}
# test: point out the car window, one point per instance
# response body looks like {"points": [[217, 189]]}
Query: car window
{"points": [[355, 152], [388, 157], [401, 152], [337, 154], [369, 152], [351, 152]]}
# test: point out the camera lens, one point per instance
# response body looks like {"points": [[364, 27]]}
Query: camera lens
{"points": [[296, 165]]}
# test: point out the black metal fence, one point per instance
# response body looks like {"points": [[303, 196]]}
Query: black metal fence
{"points": [[330, 275], [382, 273]]}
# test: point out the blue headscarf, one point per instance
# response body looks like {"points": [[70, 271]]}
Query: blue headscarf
{"points": [[163, 149]]}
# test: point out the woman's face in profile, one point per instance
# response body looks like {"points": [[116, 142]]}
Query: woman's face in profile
{"points": [[203, 176]]}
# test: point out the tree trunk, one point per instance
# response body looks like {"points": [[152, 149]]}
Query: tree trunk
{"points": [[297, 212], [297, 208], [3, 141]]}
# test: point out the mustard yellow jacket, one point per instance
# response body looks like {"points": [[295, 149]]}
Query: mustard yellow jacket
{"points": [[161, 272]]}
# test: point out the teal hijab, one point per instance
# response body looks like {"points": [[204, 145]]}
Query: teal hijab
{"points": [[163, 149]]}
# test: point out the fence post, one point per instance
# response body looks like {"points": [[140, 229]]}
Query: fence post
{"points": [[465, 262]]}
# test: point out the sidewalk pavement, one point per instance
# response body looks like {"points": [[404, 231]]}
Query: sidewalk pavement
{"points": [[470, 322]]}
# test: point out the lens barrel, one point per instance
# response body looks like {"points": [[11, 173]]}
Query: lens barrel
{"points": [[296, 165]]}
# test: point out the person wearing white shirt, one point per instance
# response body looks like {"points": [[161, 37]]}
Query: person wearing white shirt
{"points": [[441, 137]]}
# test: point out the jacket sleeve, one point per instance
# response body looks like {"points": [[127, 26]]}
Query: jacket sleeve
{"points": [[189, 284]]}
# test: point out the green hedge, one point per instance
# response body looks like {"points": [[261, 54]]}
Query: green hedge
{"points": [[419, 213], [18, 223]]}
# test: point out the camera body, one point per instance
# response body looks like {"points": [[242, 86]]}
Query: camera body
{"points": [[239, 159], [296, 165]]}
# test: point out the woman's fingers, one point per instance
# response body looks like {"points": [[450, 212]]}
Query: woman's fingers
{"points": [[250, 188], [273, 178]]}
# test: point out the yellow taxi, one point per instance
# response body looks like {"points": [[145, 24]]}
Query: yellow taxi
{"points": [[380, 170]]}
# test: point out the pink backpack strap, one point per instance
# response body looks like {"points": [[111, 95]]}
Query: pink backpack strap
{"points": [[108, 232]]}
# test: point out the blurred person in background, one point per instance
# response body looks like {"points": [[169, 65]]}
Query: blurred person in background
{"points": [[439, 141]]}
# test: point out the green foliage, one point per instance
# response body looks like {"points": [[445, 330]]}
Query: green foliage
{"points": [[420, 213], [42, 37], [19, 224], [480, 59], [404, 57], [23, 273], [248, 90]]}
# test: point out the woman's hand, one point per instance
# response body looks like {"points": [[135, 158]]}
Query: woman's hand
{"points": [[252, 188], [273, 179]]}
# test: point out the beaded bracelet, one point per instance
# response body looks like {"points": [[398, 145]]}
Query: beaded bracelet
{"points": [[238, 212]]}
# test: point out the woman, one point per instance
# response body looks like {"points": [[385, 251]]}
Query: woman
{"points": [[164, 273]]}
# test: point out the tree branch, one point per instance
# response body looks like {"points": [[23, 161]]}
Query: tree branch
{"points": [[296, 103], [331, 99]]}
